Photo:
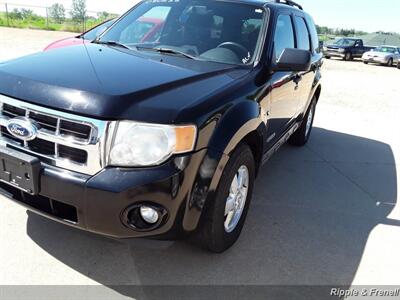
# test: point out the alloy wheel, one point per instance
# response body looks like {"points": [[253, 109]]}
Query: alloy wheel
{"points": [[236, 200]]}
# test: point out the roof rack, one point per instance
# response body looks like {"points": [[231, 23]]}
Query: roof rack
{"points": [[288, 2]]}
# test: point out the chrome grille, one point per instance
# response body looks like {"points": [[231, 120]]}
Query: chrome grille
{"points": [[64, 140]]}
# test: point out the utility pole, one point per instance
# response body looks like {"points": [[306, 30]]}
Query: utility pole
{"points": [[8, 20], [47, 17]]}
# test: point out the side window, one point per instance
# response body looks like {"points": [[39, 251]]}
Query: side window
{"points": [[303, 37], [284, 34], [314, 34]]}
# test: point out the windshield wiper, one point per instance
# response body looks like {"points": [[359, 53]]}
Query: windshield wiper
{"points": [[112, 43], [168, 51]]}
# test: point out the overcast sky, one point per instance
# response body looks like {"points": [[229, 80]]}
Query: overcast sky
{"points": [[367, 15]]}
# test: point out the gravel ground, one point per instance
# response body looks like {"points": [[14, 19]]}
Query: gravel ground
{"points": [[19, 42], [325, 214]]}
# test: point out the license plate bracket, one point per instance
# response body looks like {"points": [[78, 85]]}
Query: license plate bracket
{"points": [[20, 170]]}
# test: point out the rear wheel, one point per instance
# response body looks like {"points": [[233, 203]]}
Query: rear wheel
{"points": [[365, 62], [225, 216], [327, 57], [398, 65], [302, 135]]}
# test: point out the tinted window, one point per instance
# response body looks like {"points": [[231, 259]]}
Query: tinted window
{"points": [[303, 38], [194, 27], [345, 42], [313, 33], [385, 49], [284, 35]]}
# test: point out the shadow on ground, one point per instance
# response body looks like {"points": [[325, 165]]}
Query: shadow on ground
{"points": [[312, 212]]}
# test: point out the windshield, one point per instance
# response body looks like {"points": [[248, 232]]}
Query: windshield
{"points": [[385, 49], [94, 32], [345, 42], [219, 31]]}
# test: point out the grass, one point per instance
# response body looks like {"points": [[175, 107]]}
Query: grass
{"points": [[41, 23]]}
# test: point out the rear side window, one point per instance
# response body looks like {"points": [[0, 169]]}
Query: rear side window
{"points": [[284, 35], [313, 34], [303, 37]]}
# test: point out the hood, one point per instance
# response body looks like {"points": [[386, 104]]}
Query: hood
{"points": [[377, 54], [73, 41], [112, 83]]}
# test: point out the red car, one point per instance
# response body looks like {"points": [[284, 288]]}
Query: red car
{"points": [[85, 37], [142, 31]]}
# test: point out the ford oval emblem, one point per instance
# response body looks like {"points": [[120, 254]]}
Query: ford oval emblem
{"points": [[22, 128]]}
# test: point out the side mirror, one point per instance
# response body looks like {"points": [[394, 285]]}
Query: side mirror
{"points": [[294, 60]]}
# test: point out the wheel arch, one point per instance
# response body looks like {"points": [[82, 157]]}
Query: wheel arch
{"points": [[241, 124]]}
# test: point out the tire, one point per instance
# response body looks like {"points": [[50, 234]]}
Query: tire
{"points": [[365, 62], [327, 57], [390, 63], [348, 56], [213, 234], [302, 135], [398, 65]]}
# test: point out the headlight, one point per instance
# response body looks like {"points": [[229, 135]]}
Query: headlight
{"points": [[325, 48], [140, 144], [342, 50]]}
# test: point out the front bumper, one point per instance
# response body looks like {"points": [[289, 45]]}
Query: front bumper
{"points": [[328, 53], [98, 203]]}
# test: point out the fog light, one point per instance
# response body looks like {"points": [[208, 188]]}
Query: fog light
{"points": [[150, 215]]}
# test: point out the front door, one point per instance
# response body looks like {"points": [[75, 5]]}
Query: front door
{"points": [[284, 85]]}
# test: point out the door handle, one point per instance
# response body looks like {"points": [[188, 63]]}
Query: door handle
{"points": [[314, 67], [296, 79]]}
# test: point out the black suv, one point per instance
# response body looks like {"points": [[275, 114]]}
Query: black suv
{"points": [[162, 138]]}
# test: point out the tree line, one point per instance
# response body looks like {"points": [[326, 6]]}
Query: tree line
{"points": [[324, 30], [58, 13]]}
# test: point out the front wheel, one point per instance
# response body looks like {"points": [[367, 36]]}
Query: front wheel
{"points": [[348, 56], [225, 216], [398, 65], [302, 135], [390, 63]]}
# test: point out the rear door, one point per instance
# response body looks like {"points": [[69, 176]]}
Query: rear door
{"points": [[306, 79]]}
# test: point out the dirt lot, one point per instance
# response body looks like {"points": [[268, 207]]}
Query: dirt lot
{"points": [[326, 214], [19, 42]]}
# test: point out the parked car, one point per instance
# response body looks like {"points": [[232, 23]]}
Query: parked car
{"points": [[384, 55], [346, 48], [163, 138], [144, 30], [85, 37]]}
